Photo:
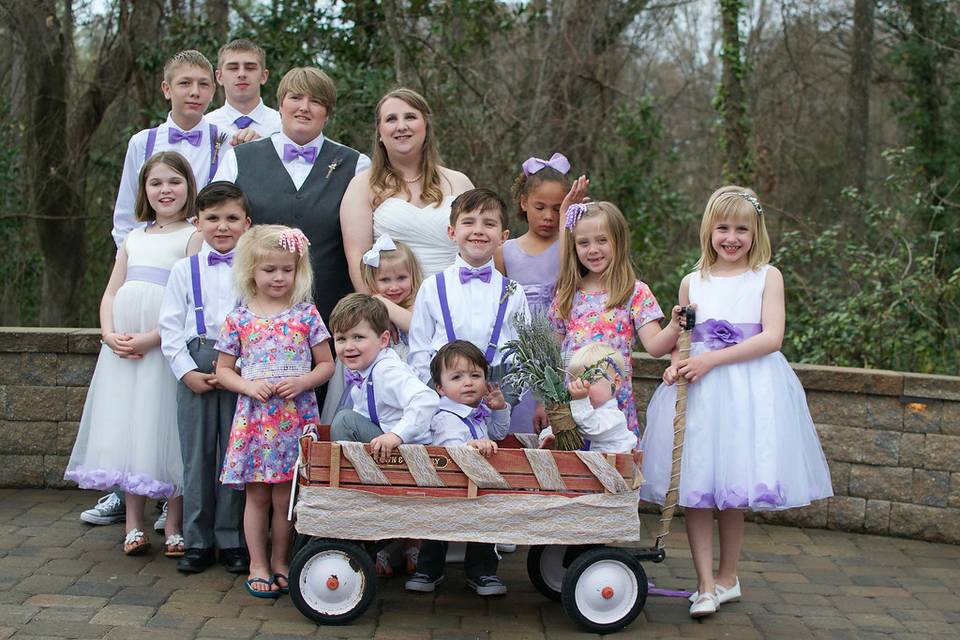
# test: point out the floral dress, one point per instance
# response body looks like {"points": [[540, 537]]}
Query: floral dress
{"points": [[263, 439], [590, 321]]}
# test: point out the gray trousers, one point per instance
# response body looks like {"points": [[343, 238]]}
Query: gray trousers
{"points": [[212, 513], [351, 426]]}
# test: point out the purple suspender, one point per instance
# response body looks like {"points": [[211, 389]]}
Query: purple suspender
{"points": [[466, 421], [371, 400], [197, 295], [497, 325], [214, 155]]}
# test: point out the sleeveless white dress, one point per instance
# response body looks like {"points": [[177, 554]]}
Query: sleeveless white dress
{"points": [[128, 434], [750, 442], [424, 230]]}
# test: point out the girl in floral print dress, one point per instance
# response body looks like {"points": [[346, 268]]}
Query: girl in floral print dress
{"points": [[598, 297], [279, 338]]}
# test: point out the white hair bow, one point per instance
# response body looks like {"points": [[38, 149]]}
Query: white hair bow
{"points": [[383, 243]]}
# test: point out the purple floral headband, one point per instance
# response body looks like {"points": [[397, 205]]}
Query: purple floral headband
{"points": [[294, 241], [557, 161], [574, 213]]}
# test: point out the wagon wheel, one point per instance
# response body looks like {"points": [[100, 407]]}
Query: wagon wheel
{"points": [[545, 568], [604, 589], [332, 581]]}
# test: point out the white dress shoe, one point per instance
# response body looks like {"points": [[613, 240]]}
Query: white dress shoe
{"points": [[724, 594], [705, 605]]}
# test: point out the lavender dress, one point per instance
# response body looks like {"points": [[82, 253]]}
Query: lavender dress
{"points": [[538, 277]]}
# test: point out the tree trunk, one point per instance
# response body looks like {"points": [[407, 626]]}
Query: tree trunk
{"points": [[731, 101], [924, 88], [218, 13], [858, 99]]}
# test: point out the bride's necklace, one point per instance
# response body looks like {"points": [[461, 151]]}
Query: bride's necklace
{"points": [[411, 181]]}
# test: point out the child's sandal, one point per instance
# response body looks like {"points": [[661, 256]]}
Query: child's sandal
{"points": [[136, 542], [384, 570], [173, 546]]}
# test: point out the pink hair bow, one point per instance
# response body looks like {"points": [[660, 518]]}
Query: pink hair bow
{"points": [[294, 241], [557, 161]]}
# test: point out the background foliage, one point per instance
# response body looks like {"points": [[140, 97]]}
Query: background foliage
{"points": [[652, 99]]}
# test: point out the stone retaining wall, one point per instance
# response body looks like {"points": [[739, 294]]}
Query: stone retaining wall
{"points": [[892, 439]]}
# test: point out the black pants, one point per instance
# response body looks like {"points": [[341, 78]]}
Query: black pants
{"points": [[480, 560]]}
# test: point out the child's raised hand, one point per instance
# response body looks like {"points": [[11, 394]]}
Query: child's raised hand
{"points": [[494, 398], [486, 447], [382, 446], [695, 367], [579, 389], [290, 388], [670, 375], [199, 382], [259, 390], [577, 193]]}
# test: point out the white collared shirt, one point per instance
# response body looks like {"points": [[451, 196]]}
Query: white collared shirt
{"points": [[605, 427], [266, 121], [473, 312], [178, 321], [404, 404], [124, 215], [298, 168], [447, 428]]}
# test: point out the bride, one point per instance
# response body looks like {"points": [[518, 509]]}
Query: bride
{"points": [[405, 193]]}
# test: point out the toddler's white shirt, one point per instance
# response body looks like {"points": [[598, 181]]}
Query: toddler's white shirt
{"points": [[447, 429]]}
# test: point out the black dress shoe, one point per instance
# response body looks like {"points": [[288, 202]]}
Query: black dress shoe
{"points": [[235, 560], [195, 560]]}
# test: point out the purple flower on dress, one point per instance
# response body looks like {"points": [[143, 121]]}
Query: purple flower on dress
{"points": [[720, 334], [769, 496], [732, 498], [700, 500]]}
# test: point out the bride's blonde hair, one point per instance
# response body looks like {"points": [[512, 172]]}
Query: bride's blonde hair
{"points": [[385, 181]]}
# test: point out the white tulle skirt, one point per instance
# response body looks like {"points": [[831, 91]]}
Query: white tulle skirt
{"points": [[128, 434], [749, 444]]}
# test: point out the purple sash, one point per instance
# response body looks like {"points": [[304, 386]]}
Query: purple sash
{"points": [[156, 275], [214, 156], [720, 334], [497, 325], [197, 296]]}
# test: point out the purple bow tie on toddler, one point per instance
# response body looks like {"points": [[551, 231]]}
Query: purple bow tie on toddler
{"points": [[174, 136], [213, 259], [243, 122], [480, 414], [291, 152], [352, 378], [483, 275]]}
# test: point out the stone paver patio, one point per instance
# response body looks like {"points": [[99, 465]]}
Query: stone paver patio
{"points": [[60, 578]]}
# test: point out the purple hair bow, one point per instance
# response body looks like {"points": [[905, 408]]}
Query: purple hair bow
{"points": [[557, 161], [574, 213]]}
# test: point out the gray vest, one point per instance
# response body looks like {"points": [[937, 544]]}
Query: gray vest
{"points": [[315, 208]]}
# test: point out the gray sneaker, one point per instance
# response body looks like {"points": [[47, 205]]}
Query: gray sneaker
{"points": [[161, 522], [487, 586], [422, 583], [108, 510]]}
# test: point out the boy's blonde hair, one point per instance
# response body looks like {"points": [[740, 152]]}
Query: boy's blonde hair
{"points": [[242, 45], [179, 164], [257, 243], [385, 181], [737, 204], [404, 255], [620, 279], [190, 57], [308, 81], [600, 355]]}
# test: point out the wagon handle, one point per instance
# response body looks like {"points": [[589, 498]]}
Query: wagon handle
{"points": [[687, 320]]}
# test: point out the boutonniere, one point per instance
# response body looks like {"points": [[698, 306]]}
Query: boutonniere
{"points": [[333, 167], [508, 290], [221, 139]]}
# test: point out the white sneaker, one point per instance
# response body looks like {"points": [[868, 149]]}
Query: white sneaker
{"points": [[108, 510], [724, 594], [704, 606], [161, 522]]}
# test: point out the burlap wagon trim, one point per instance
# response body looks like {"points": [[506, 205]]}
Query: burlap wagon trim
{"points": [[366, 468], [608, 476], [475, 467], [545, 469], [420, 466], [528, 440]]}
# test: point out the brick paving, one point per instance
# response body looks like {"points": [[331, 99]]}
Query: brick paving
{"points": [[60, 578]]}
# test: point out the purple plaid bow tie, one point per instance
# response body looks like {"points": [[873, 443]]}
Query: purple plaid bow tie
{"points": [[174, 136], [290, 152], [213, 259], [480, 414], [243, 122], [352, 377], [466, 275]]}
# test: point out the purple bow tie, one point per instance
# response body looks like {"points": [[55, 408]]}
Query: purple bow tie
{"points": [[243, 122], [174, 136], [466, 275], [352, 378], [290, 152], [557, 161], [480, 414], [213, 259]]}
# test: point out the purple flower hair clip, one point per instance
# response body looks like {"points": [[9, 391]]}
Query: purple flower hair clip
{"points": [[294, 241], [574, 213]]}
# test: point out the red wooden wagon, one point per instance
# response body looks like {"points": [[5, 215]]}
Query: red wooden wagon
{"points": [[568, 505]]}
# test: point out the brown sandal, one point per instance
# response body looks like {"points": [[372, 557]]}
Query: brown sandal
{"points": [[173, 546], [136, 542]]}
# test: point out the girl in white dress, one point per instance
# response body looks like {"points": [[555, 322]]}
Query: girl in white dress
{"points": [[128, 431], [750, 442]]}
